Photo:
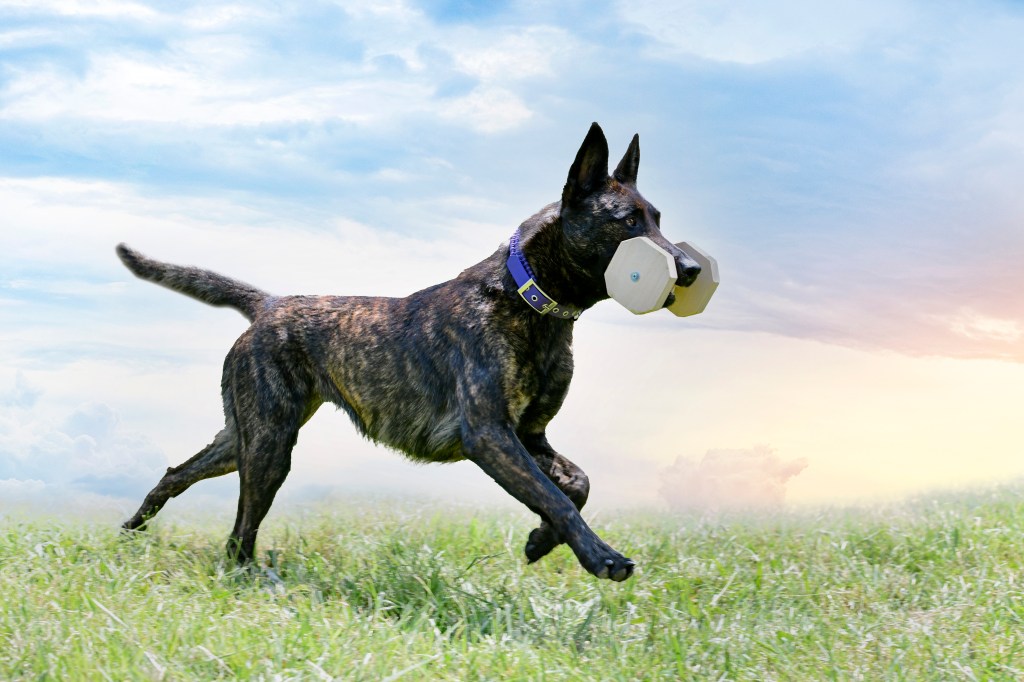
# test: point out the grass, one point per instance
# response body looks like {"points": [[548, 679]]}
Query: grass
{"points": [[927, 590]]}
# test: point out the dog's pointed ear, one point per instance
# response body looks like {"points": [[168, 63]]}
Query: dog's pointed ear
{"points": [[625, 172], [590, 169]]}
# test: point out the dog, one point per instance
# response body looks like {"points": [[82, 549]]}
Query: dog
{"points": [[474, 368]]}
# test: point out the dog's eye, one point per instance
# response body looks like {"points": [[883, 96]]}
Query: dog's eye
{"points": [[631, 221]]}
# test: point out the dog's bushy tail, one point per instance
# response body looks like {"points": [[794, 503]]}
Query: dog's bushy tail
{"points": [[203, 285]]}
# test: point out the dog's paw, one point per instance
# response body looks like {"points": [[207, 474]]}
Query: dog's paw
{"points": [[612, 565], [541, 541], [134, 525]]}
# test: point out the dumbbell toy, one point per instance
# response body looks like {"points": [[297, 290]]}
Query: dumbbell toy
{"points": [[641, 275]]}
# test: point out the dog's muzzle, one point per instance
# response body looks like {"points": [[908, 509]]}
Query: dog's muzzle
{"points": [[641, 276]]}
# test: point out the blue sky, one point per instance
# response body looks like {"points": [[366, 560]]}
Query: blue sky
{"points": [[855, 167]]}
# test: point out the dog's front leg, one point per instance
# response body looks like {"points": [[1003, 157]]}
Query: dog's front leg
{"points": [[569, 478], [498, 451]]}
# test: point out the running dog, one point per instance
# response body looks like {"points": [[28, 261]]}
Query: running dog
{"points": [[473, 368]]}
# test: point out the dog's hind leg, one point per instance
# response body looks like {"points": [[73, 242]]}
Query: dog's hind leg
{"points": [[264, 463], [569, 478], [216, 459], [269, 395]]}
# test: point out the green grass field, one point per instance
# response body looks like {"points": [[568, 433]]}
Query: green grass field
{"points": [[927, 590]]}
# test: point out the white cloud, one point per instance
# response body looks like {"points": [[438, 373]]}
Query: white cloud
{"points": [[232, 79], [511, 56], [210, 16], [37, 498], [750, 32], [108, 9], [31, 37], [189, 90], [67, 227], [487, 110], [64, 287], [15, 489], [87, 450], [396, 11], [729, 479], [24, 395], [500, 62]]}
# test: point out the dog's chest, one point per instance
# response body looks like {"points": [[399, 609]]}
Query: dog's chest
{"points": [[537, 378]]}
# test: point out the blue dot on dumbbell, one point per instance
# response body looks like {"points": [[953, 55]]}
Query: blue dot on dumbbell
{"points": [[635, 276]]}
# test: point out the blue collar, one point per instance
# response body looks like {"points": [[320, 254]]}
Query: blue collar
{"points": [[528, 289]]}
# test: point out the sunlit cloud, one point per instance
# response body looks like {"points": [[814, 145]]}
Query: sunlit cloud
{"points": [[724, 480], [971, 325]]}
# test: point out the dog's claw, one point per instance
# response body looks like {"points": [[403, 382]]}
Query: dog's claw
{"points": [[615, 567], [625, 572]]}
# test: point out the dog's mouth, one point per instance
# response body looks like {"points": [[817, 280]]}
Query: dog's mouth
{"points": [[688, 271]]}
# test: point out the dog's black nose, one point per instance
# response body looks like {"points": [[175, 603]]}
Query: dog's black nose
{"points": [[688, 270]]}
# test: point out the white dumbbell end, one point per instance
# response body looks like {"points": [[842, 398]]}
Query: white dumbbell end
{"points": [[640, 275]]}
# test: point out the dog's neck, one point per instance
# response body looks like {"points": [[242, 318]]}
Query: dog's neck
{"points": [[529, 288], [544, 247]]}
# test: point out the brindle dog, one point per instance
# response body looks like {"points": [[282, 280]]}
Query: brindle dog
{"points": [[468, 369]]}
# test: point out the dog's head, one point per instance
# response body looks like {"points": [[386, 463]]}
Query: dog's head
{"points": [[600, 211]]}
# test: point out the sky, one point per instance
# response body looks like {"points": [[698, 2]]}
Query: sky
{"points": [[854, 167]]}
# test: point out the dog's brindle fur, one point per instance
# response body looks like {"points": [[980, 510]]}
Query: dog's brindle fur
{"points": [[462, 370]]}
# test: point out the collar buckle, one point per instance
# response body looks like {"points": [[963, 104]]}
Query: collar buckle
{"points": [[528, 288]]}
